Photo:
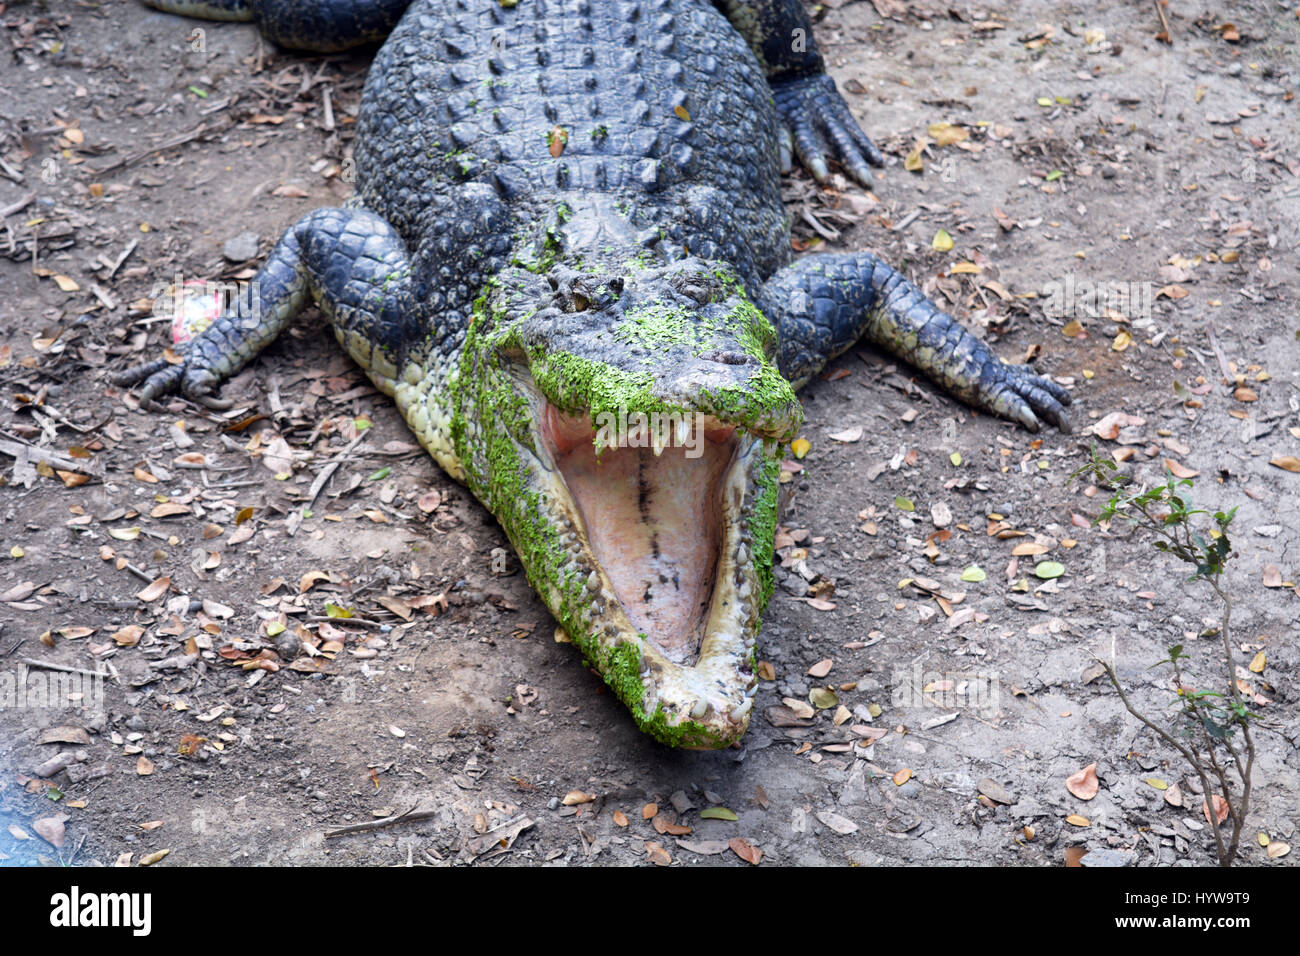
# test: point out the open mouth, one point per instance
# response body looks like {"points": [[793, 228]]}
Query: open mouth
{"points": [[649, 491], [660, 508]]}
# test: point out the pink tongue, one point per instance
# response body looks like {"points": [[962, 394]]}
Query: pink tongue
{"points": [[654, 524]]}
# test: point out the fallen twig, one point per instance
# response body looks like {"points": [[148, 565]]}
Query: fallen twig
{"points": [[342, 621], [1165, 36], [18, 206], [33, 662], [328, 471], [411, 814]]}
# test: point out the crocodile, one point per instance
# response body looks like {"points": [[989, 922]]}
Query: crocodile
{"points": [[567, 261]]}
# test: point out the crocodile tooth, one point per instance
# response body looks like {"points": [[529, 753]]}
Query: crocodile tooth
{"points": [[593, 581], [700, 709], [737, 715], [657, 441], [753, 689], [683, 429], [743, 591], [744, 609], [742, 555]]}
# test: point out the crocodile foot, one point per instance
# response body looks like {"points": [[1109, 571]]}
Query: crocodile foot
{"points": [[817, 122], [160, 377]]}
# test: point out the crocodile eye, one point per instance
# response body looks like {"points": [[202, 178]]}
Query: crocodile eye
{"points": [[580, 302]]}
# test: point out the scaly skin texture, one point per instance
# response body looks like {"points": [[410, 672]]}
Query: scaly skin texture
{"points": [[573, 207]]}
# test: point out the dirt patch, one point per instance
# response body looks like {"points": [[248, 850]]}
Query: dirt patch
{"points": [[1165, 177]]}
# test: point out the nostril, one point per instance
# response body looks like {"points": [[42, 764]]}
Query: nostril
{"points": [[724, 357]]}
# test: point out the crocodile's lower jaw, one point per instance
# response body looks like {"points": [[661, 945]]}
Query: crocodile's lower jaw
{"points": [[673, 608]]}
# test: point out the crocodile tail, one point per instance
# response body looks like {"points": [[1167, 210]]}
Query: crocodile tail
{"points": [[311, 25], [205, 9]]}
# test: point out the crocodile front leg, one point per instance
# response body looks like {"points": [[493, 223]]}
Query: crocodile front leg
{"points": [[349, 261], [823, 304], [816, 122]]}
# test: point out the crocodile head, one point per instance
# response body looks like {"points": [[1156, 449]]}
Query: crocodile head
{"points": [[625, 430]]}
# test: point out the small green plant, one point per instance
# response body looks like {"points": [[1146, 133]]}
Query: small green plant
{"points": [[1210, 729]]}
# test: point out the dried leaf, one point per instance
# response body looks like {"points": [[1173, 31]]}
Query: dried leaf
{"points": [[155, 590], [745, 850], [1084, 784], [1220, 809], [823, 698], [821, 668], [656, 854]]}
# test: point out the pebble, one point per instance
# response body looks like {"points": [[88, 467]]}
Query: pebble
{"points": [[241, 248], [1109, 858]]}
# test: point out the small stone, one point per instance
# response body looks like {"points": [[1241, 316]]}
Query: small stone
{"points": [[242, 247], [1108, 858], [288, 645]]}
